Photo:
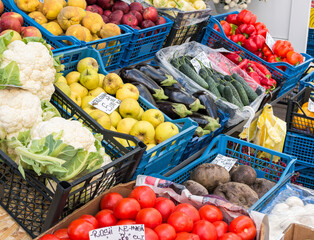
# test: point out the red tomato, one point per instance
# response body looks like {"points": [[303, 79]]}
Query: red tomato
{"points": [[126, 222], [181, 222], [205, 230], [106, 218], [150, 217], [150, 234], [221, 228], [165, 207], [91, 219], [230, 236], [79, 229], [244, 227], [187, 236], [110, 200], [210, 213], [49, 237], [189, 210], [165, 232], [127, 208], [144, 195], [61, 233], [159, 199]]}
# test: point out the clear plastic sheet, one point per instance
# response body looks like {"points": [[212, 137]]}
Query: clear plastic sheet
{"points": [[219, 63]]}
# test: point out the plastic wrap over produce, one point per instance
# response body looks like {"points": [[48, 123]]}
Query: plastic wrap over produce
{"points": [[212, 59], [181, 194]]}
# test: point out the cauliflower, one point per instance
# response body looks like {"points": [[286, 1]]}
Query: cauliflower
{"points": [[20, 110], [36, 67], [199, 5]]}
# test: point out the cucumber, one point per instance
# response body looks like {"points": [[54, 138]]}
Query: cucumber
{"points": [[234, 91], [228, 78], [212, 86], [227, 93], [244, 98], [187, 70], [220, 88], [203, 73], [249, 91]]}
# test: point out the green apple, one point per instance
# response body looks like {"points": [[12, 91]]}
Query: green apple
{"points": [[165, 130], [154, 116], [144, 131], [129, 107], [87, 63], [89, 79], [125, 125]]}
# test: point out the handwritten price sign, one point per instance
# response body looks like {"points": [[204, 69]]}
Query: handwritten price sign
{"points": [[122, 232]]}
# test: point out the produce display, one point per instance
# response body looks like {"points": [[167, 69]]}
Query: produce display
{"points": [[183, 5], [161, 217]]}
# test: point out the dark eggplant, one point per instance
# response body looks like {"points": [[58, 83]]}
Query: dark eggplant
{"points": [[160, 79], [133, 75], [181, 96], [173, 110], [205, 122], [144, 92], [210, 106]]}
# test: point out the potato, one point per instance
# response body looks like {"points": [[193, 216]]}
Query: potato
{"points": [[237, 193], [262, 186], [243, 174], [195, 188], [210, 175]]}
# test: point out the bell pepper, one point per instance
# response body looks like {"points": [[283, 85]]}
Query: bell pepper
{"points": [[234, 57], [254, 76], [238, 38], [246, 29], [266, 51], [262, 77], [232, 18], [233, 28], [261, 29], [254, 43], [244, 64], [259, 54], [225, 26], [281, 48], [294, 58], [273, 58], [246, 16]]}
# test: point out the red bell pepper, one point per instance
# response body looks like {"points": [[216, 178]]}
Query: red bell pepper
{"points": [[234, 57], [232, 18], [262, 77], [225, 26], [281, 48], [254, 76], [238, 38], [294, 58], [259, 54], [244, 64], [261, 29], [254, 43], [273, 58], [246, 16], [266, 51], [263, 69], [233, 28], [246, 29]]}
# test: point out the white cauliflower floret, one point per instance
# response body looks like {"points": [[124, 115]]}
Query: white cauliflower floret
{"points": [[20, 110], [37, 73], [74, 133]]}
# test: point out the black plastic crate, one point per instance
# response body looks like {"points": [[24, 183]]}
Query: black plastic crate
{"points": [[39, 202]]}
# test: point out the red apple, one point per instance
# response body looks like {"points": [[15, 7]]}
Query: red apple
{"points": [[136, 6], [161, 20], [105, 4], [138, 16], [129, 19], [16, 35], [107, 13], [96, 9], [147, 24], [116, 16], [136, 27], [10, 23], [90, 2], [105, 18], [15, 15], [150, 13], [123, 6], [30, 31], [1, 7]]}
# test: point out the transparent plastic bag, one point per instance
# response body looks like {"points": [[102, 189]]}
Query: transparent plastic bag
{"points": [[216, 60]]}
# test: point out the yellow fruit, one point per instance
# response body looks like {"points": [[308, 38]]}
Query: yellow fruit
{"points": [[79, 89], [53, 27], [89, 109], [87, 63], [77, 31], [52, 8], [104, 121], [86, 100], [112, 83], [128, 90], [144, 131], [64, 88], [27, 5], [154, 116], [115, 118], [112, 128], [88, 35], [101, 79], [93, 21], [77, 3], [150, 146], [109, 30], [40, 7], [38, 17], [62, 79], [165, 131], [303, 123], [76, 98], [69, 16], [95, 92], [72, 77], [129, 108], [125, 125], [139, 116], [89, 79]]}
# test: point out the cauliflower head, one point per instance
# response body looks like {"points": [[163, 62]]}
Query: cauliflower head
{"points": [[20, 110], [36, 65]]}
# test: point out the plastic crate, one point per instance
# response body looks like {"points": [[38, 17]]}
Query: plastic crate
{"points": [[111, 49], [229, 146], [198, 143], [289, 77], [310, 38], [306, 178], [145, 43], [307, 81]]}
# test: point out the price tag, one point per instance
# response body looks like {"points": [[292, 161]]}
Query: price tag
{"points": [[121, 232], [201, 57], [222, 50], [270, 41], [226, 162], [310, 107], [105, 103]]}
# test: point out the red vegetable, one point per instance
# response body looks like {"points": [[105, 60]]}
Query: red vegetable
{"points": [[246, 16], [254, 75], [144, 195], [273, 58], [79, 229], [266, 50], [281, 48], [244, 227], [210, 213], [232, 18], [294, 58], [246, 29], [243, 65], [230, 236], [254, 43], [234, 57], [263, 69], [225, 27], [238, 38], [261, 29]]}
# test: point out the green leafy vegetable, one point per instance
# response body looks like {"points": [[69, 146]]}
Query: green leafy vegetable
{"points": [[49, 111]]}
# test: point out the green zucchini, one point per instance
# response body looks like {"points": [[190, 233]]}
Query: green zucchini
{"points": [[244, 98], [212, 86], [187, 70], [252, 95]]}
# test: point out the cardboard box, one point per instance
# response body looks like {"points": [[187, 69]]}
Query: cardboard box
{"points": [[298, 232]]}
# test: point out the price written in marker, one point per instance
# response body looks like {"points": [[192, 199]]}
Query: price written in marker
{"points": [[223, 161], [121, 232], [105, 103]]}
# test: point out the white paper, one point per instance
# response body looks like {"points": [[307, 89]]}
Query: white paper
{"points": [[105, 103], [310, 107], [269, 41], [201, 57], [223, 161], [221, 50], [121, 232]]}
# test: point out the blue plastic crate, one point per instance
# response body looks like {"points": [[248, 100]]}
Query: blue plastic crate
{"points": [[111, 49], [198, 143], [289, 77], [306, 178], [310, 38], [229, 146], [307, 81], [145, 43]]}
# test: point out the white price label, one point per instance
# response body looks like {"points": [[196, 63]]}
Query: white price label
{"points": [[121, 232], [222, 50], [226, 162], [201, 57], [310, 107], [269, 41], [105, 103]]}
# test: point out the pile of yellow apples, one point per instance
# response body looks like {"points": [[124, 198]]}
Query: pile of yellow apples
{"points": [[83, 85], [69, 18]]}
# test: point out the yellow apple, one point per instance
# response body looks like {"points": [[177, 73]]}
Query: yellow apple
{"points": [[125, 125], [87, 63], [95, 92], [165, 130], [139, 116], [62, 79], [115, 118], [112, 128], [112, 83], [129, 107], [154, 116], [144, 131], [64, 88], [89, 109], [79, 89], [89, 79], [101, 79], [128, 90], [76, 98], [150, 146], [77, 3], [86, 100], [104, 121], [72, 77]]}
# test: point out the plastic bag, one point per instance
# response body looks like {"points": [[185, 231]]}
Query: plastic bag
{"points": [[193, 49], [267, 131]]}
